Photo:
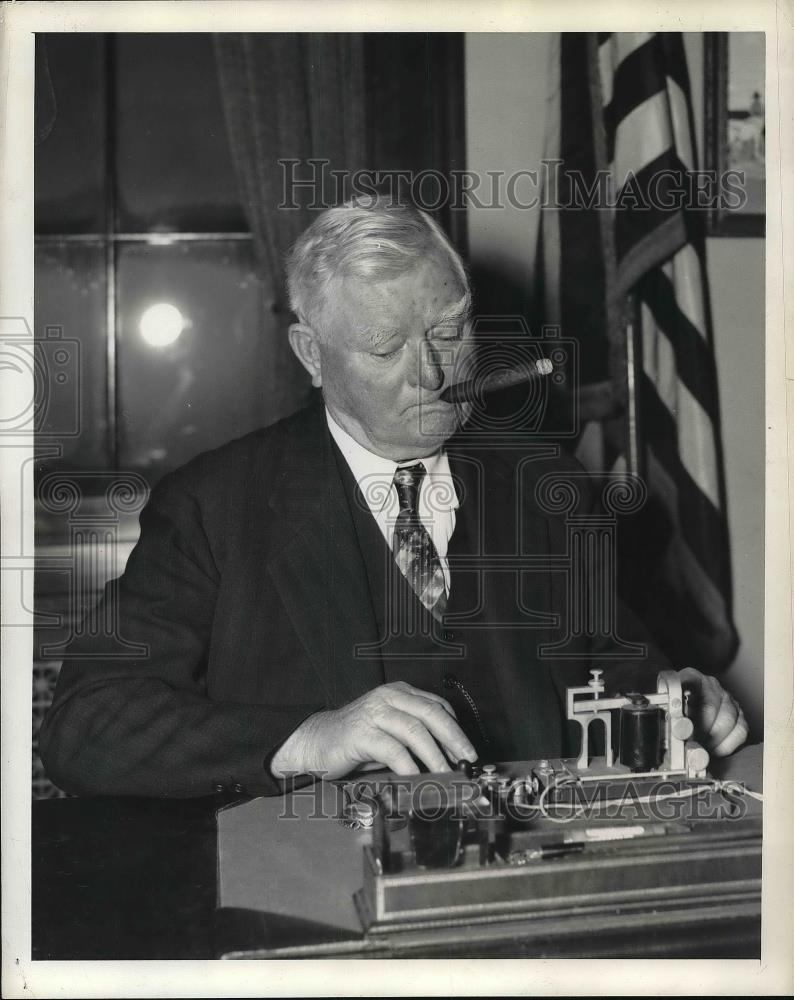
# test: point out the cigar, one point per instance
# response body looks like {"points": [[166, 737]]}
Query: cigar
{"points": [[470, 389]]}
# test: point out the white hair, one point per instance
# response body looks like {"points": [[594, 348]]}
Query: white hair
{"points": [[364, 239]]}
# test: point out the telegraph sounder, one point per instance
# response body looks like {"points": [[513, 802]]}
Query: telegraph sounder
{"points": [[502, 842]]}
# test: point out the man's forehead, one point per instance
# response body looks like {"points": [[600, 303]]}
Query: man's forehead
{"points": [[431, 295], [381, 327]]}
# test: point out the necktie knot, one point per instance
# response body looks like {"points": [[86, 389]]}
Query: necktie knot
{"points": [[407, 480]]}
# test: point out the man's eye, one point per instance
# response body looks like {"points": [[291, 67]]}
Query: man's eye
{"points": [[453, 331], [388, 354]]}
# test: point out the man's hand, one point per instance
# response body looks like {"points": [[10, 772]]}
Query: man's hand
{"points": [[719, 721], [384, 726]]}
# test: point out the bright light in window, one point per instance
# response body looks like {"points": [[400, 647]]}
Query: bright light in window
{"points": [[161, 324]]}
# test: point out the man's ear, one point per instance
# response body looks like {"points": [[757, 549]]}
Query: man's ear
{"points": [[304, 342]]}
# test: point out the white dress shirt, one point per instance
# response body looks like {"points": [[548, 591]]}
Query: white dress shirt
{"points": [[438, 499]]}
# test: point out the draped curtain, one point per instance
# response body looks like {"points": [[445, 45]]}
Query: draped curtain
{"points": [[289, 97]]}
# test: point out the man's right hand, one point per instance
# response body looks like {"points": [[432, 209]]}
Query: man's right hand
{"points": [[383, 727]]}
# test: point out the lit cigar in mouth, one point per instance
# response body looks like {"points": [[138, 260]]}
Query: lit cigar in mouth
{"points": [[472, 388]]}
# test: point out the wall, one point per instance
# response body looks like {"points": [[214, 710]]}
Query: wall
{"points": [[506, 91]]}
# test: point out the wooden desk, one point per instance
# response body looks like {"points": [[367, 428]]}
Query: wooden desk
{"points": [[120, 878]]}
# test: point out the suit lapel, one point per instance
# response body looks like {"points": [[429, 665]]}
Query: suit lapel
{"points": [[316, 565]]}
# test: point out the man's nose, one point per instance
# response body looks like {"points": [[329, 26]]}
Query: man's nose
{"points": [[427, 372]]}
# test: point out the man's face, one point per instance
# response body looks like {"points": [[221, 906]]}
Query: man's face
{"points": [[387, 350]]}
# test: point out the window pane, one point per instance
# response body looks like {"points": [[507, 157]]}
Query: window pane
{"points": [[747, 116], [71, 426], [227, 372], [174, 168], [70, 163]]}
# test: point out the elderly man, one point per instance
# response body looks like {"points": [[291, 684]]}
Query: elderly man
{"points": [[295, 588]]}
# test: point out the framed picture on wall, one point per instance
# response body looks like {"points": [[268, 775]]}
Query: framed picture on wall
{"points": [[735, 129]]}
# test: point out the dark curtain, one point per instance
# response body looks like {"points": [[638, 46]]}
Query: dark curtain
{"points": [[298, 97]]}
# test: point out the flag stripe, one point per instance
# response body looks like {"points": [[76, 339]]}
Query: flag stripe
{"points": [[673, 57], [679, 113], [701, 523], [643, 70], [696, 444], [683, 272], [615, 46], [642, 136], [682, 568], [652, 232], [658, 361], [693, 359], [636, 79], [638, 125], [695, 430]]}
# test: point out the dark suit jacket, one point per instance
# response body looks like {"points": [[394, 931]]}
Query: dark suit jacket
{"points": [[249, 589]]}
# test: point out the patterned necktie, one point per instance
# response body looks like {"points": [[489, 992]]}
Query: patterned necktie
{"points": [[413, 547]]}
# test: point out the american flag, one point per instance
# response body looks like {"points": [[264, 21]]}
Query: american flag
{"points": [[628, 281]]}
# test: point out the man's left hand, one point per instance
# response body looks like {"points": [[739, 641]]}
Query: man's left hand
{"points": [[719, 721]]}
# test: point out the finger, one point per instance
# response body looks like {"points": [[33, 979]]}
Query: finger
{"points": [[391, 752], [691, 677], [430, 695], [727, 713], [438, 721], [710, 698], [454, 751], [733, 740], [453, 756], [437, 700], [413, 734], [726, 717]]}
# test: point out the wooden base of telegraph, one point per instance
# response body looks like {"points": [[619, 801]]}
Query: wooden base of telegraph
{"points": [[556, 847]]}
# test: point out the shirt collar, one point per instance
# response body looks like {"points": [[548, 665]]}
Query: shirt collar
{"points": [[365, 464]]}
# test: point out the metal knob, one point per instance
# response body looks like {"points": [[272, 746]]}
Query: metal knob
{"points": [[682, 728], [697, 759], [596, 682]]}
